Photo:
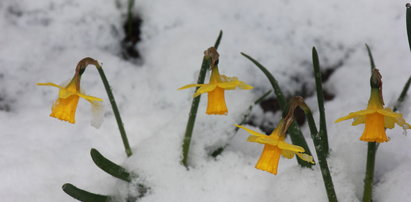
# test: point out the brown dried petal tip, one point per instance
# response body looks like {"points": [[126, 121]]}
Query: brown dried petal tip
{"points": [[213, 54], [376, 82]]}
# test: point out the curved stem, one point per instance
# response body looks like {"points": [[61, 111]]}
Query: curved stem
{"points": [[115, 110]]}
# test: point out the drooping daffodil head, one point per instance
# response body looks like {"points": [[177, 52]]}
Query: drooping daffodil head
{"points": [[274, 147], [375, 117], [64, 108], [215, 90]]}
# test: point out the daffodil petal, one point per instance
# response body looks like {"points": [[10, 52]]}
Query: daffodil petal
{"points": [[355, 114], [190, 86], [401, 122], [97, 113], [358, 120], [262, 140], [50, 84], [245, 86], [225, 78], [287, 154], [284, 145], [252, 139], [390, 118], [268, 140], [205, 88], [388, 112], [251, 131], [89, 98], [306, 157], [228, 85], [389, 122]]}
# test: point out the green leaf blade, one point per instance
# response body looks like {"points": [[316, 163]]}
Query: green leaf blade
{"points": [[82, 195], [109, 167], [320, 98]]}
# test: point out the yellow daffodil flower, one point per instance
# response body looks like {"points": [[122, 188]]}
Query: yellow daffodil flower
{"points": [[215, 89], [376, 118], [274, 146], [64, 108]]}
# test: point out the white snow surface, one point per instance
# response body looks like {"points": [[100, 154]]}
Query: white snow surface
{"points": [[42, 41]]}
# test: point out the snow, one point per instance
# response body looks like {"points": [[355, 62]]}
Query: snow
{"points": [[42, 41]]}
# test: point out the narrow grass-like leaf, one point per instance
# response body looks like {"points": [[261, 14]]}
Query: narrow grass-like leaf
{"points": [[407, 85], [277, 90], [245, 117], [296, 136], [320, 98], [217, 42], [82, 195], [403, 94], [322, 158], [408, 21], [370, 56], [109, 167], [194, 105]]}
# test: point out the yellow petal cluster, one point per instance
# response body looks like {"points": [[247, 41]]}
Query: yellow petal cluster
{"points": [[215, 89], [376, 119], [64, 108], [274, 146]]}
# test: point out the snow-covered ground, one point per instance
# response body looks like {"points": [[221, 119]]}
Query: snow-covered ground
{"points": [[42, 41]]}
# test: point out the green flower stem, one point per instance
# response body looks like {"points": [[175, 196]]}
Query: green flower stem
{"points": [[193, 111], [402, 96], [369, 174], [370, 56], [296, 136], [115, 110], [321, 153], [194, 105], [320, 98]]}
